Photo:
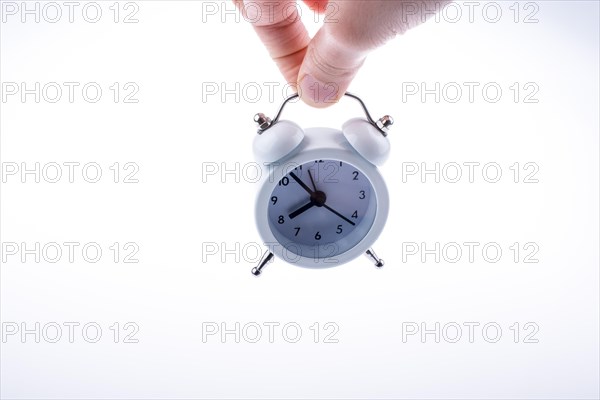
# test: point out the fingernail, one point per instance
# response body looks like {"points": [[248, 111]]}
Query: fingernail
{"points": [[320, 93]]}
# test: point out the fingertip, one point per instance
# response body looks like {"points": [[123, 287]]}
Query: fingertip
{"points": [[327, 70], [320, 94], [319, 6]]}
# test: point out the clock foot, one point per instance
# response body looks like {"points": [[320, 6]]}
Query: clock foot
{"points": [[373, 257], [256, 271]]}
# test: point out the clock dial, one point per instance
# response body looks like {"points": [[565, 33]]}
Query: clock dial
{"points": [[322, 204]]}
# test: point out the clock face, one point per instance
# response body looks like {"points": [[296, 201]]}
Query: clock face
{"points": [[322, 208]]}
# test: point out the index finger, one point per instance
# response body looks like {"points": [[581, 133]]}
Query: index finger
{"points": [[281, 30]]}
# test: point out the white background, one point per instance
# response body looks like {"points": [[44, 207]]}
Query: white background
{"points": [[177, 130]]}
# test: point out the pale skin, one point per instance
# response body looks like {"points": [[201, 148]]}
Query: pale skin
{"points": [[322, 67]]}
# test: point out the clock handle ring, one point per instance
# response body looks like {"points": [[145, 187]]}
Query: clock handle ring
{"points": [[382, 124]]}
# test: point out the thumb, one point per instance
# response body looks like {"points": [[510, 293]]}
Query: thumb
{"points": [[340, 48], [328, 69]]}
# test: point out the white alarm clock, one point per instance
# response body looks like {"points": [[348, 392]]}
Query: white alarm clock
{"points": [[322, 201]]}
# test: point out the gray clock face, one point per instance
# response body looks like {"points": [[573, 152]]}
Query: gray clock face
{"points": [[322, 208]]}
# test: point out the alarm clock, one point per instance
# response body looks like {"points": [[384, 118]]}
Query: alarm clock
{"points": [[322, 201]]}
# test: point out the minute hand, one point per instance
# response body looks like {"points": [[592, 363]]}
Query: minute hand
{"points": [[338, 214], [293, 175]]}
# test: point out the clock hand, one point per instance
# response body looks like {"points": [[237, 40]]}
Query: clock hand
{"points": [[338, 214], [312, 181], [302, 209], [301, 183]]}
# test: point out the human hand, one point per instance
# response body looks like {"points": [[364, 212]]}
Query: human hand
{"points": [[323, 67]]}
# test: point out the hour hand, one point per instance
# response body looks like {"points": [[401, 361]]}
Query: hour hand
{"points": [[302, 209], [293, 175]]}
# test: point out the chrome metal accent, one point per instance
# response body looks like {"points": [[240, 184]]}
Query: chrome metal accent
{"points": [[373, 257], [266, 258], [262, 121], [384, 123], [265, 122]]}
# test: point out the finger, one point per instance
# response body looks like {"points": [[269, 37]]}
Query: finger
{"points": [[319, 6], [327, 70], [279, 27], [340, 47]]}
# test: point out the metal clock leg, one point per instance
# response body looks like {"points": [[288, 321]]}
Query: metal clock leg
{"points": [[256, 271], [373, 257]]}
